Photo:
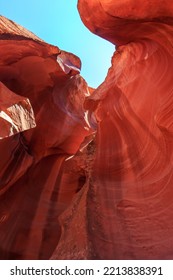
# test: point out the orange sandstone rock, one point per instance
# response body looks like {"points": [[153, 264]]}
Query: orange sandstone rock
{"points": [[125, 208], [93, 179], [33, 156]]}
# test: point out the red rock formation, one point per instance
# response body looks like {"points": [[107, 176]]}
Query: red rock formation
{"points": [[93, 179], [32, 161], [125, 209]]}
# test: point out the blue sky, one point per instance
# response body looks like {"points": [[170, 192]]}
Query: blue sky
{"points": [[58, 23]]}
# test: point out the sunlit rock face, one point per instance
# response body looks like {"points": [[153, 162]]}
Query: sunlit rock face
{"points": [[125, 209], [42, 125], [88, 174]]}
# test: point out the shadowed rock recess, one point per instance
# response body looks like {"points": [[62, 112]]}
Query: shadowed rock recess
{"points": [[88, 174]]}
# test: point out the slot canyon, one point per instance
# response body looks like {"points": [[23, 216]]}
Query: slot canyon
{"points": [[87, 174]]}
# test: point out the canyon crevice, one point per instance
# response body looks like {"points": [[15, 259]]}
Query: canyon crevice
{"points": [[88, 174]]}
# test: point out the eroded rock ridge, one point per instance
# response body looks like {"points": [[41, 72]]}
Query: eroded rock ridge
{"points": [[88, 174]]}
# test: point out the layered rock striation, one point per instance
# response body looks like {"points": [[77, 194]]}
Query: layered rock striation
{"points": [[42, 124], [88, 174], [127, 199]]}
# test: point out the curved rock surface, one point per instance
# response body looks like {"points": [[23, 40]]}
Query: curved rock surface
{"points": [[42, 124], [125, 208], [88, 174]]}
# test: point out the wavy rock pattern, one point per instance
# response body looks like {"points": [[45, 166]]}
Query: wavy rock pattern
{"points": [[125, 208], [33, 157], [93, 179]]}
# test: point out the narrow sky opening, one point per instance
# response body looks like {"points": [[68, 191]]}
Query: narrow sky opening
{"points": [[58, 23]]}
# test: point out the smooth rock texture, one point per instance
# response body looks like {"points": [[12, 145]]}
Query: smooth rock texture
{"points": [[93, 179], [37, 140], [125, 209]]}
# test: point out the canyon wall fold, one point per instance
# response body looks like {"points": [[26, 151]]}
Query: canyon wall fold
{"points": [[42, 125], [127, 200], [88, 174]]}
